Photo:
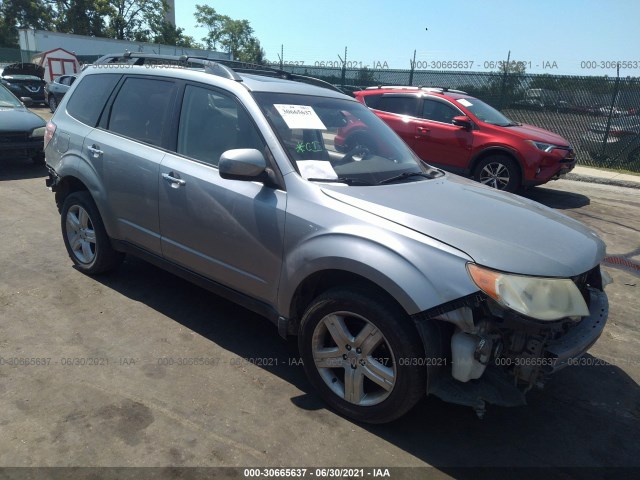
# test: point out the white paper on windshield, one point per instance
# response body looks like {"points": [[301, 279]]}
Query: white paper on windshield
{"points": [[316, 169], [300, 116], [464, 101]]}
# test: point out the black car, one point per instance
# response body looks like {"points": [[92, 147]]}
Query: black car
{"points": [[21, 131], [25, 80], [55, 90]]}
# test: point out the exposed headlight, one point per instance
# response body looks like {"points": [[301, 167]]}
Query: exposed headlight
{"points": [[38, 132], [536, 297], [545, 147]]}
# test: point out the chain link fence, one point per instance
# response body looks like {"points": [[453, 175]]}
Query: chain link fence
{"points": [[599, 116]]}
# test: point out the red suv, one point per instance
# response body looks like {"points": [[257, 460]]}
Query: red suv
{"points": [[461, 134]]}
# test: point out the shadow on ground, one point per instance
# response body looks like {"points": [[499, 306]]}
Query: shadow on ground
{"points": [[557, 199], [20, 168], [588, 416]]}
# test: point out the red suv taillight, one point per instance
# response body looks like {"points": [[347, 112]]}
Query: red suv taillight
{"points": [[49, 132]]}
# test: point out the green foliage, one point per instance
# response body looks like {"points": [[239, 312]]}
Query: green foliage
{"points": [[234, 36], [132, 19], [365, 77], [82, 17], [16, 14]]}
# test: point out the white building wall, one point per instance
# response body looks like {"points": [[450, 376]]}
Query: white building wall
{"points": [[42, 40]]}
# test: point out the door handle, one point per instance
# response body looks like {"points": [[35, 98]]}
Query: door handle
{"points": [[175, 182], [422, 132], [95, 150]]}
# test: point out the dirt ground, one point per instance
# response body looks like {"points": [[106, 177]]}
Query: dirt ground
{"points": [[140, 368]]}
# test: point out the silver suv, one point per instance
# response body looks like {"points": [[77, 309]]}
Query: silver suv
{"points": [[399, 279]]}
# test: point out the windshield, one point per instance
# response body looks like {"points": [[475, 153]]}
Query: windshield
{"points": [[8, 99], [484, 112], [335, 140]]}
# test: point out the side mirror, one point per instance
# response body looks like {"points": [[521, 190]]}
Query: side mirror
{"points": [[26, 101], [246, 164], [462, 121]]}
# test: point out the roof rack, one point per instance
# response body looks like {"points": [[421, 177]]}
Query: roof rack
{"points": [[425, 89], [223, 68]]}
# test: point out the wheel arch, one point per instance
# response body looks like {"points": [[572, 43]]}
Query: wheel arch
{"points": [[75, 174], [323, 280], [497, 150]]}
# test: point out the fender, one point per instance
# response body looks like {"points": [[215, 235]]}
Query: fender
{"points": [[73, 165], [403, 277]]}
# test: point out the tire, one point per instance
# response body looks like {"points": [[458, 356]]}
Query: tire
{"points": [[334, 331], [53, 103], [85, 237], [498, 171]]}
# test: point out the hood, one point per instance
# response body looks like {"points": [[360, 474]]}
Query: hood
{"points": [[498, 230], [18, 120], [530, 132], [23, 69]]}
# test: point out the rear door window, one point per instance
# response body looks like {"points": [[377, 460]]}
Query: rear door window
{"points": [[398, 104], [140, 109]]}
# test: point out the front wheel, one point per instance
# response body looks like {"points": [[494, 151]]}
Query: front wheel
{"points": [[498, 171], [85, 237], [359, 352]]}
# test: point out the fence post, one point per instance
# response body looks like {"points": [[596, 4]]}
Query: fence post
{"points": [[613, 104], [504, 81], [413, 66]]}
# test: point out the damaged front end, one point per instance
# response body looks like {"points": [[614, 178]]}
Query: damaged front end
{"points": [[512, 335]]}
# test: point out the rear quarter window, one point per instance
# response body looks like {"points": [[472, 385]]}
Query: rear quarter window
{"points": [[89, 97], [399, 105], [371, 101]]}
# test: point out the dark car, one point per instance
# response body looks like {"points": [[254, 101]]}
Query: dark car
{"points": [[25, 80], [55, 90], [621, 143], [21, 131], [460, 133]]}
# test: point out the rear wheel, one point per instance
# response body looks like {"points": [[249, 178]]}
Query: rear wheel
{"points": [[53, 103], [357, 350], [498, 171], [85, 237]]}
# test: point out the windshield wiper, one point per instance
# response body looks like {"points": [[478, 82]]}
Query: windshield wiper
{"points": [[512, 124], [404, 175], [347, 180]]}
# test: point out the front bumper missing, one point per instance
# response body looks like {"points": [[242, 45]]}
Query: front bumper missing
{"points": [[580, 338], [498, 385]]}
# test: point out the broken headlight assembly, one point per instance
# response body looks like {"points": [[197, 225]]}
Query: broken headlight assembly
{"points": [[540, 298]]}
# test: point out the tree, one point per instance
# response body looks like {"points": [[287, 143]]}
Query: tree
{"points": [[83, 17], [234, 36], [166, 33], [23, 14], [365, 77], [207, 17], [132, 19], [252, 52]]}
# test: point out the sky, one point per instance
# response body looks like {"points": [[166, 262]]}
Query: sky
{"points": [[563, 37]]}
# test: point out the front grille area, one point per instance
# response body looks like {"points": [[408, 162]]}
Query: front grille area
{"points": [[13, 137]]}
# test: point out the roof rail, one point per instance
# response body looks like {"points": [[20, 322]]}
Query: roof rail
{"points": [[223, 68], [210, 65], [426, 89], [257, 69]]}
